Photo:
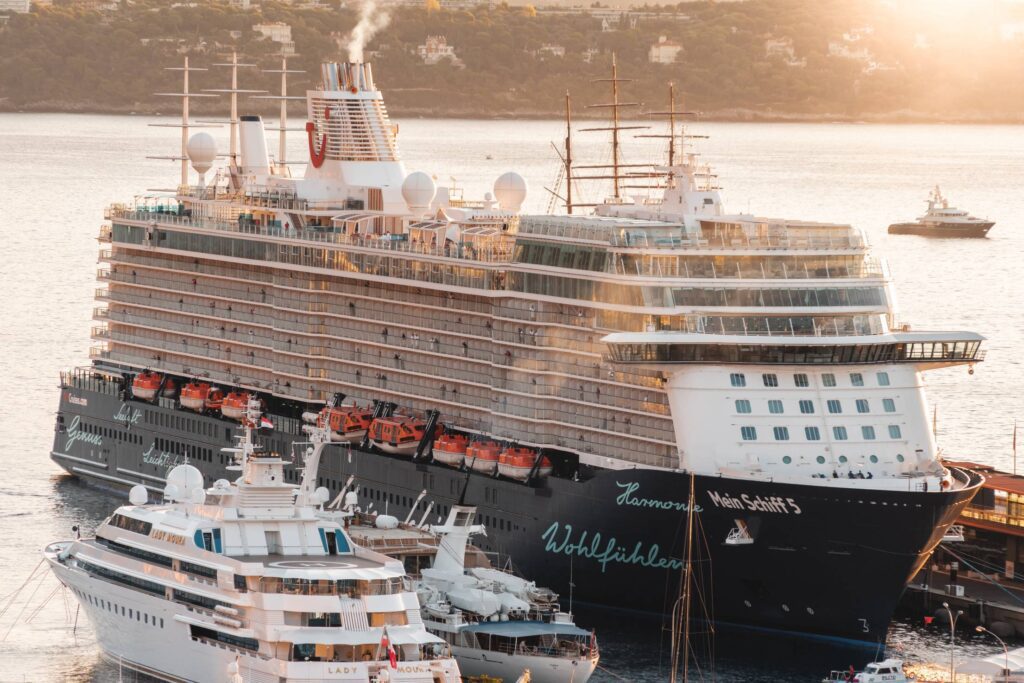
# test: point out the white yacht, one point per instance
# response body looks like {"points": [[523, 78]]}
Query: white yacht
{"points": [[243, 581], [943, 220]]}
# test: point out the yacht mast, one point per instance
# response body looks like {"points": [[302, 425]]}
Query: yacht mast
{"points": [[568, 155], [682, 611], [615, 128], [234, 91], [185, 124], [282, 146]]}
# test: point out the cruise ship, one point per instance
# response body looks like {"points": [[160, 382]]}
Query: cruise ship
{"points": [[625, 349], [247, 581]]}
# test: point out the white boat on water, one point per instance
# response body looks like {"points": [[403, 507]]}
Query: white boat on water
{"points": [[886, 671], [244, 581]]}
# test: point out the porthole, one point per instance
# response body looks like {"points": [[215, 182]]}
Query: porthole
{"points": [[820, 459], [786, 459], [899, 457], [810, 610], [747, 603], [873, 458], [785, 607], [842, 458]]}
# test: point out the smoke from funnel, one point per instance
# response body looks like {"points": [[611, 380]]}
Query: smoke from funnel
{"points": [[370, 21]]}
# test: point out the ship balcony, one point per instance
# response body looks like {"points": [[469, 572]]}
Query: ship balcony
{"points": [[100, 313], [99, 352], [100, 332], [931, 349], [103, 274], [102, 294], [105, 255], [106, 234]]}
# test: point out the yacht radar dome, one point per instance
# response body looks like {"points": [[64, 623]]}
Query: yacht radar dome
{"points": [[510, 190], [182, 482], [138, 495], [418, 191], [202, 150]]}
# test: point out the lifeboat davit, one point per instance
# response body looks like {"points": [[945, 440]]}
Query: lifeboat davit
{"points": [[346, 423], [450, 449], [201, 396], [482, 456], [235, 405], [146, 384], [517, 463], [398, 434]]}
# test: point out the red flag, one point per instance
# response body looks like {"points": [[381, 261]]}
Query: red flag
{"points": [[928, 621], [385, 644]]}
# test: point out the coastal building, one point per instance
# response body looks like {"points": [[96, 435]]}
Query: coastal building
{"points": [[7, 6], [783, 47], [664, 51], [435, 50], [549, 51], [278, 32]]}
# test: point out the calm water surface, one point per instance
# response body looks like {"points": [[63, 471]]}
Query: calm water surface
{"points": [[57, 172]]}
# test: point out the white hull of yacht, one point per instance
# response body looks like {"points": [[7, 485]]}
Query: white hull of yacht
{"points": [[509, 667]]}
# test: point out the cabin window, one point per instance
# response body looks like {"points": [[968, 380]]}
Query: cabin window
{"points": [[781, 433], [888, 405], [770, 379], [895, 432], [800, 379], [738, 379], [748, 433], [820, 459], [839, 433], [862, 406], [868, 432], [786, 459], [775, 407], [812, 433], [883, 379], [807, 407], [856, 379], [828, 379], [742, 405], [834, 406]]}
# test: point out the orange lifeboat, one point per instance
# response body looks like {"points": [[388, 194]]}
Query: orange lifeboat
{"points": [[146, 384], [450, 449], [482, 456], [235, 405], [201, 396], [398, 434], [347, 423], [517, 463]]}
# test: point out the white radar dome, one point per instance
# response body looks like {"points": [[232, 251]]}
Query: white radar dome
{"points": [[322, 494], [202, 150], [185, 479], [386, 522], [138, 495], [418, 190], [510, 191]]}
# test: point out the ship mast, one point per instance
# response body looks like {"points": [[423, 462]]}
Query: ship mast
{"points": [[185, 124], [672, 136], [681, 613], [234, 91], [568, 155], [282, 146]]}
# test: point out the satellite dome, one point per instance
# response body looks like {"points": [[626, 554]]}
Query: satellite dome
{"points": [[138, 495], [510, 191], [386, 522], [171, 492], [322, 494], [185, 479], [418, 190], [202, 150]]}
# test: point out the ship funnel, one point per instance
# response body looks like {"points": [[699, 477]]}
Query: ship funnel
{"points": [[255, 159], [352, 77]]}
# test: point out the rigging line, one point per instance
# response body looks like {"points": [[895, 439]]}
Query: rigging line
{"points": [[612, 674], [35, 613], [27, 603], [970, 566], [11, 596]]}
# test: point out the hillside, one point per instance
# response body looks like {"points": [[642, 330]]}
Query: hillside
{"points": [[774, 59]]}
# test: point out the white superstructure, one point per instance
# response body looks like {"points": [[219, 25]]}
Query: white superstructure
{"points": [[243, 581]]}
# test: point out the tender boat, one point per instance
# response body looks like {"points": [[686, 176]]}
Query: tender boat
{"points": [[147, 384], [450, 449], [943, 220], [397, 434], [887, 671], [347, 424], [518, 462], [483, 456], [201, 397], [234, 405]]}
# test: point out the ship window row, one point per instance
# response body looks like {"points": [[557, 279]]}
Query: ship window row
{"points": [[807, 406], [801, 379], [843, 460], [151, 587], [108, 433], [780, 298], [796, 354], [744, 267], [201, 633], [137, 553], [130, 524], [350, 587], [839, 433], [180, 422], [129, 613], [577, 257], [175, 447]]}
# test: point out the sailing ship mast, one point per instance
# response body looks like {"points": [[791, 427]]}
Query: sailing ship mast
{"points": [[282, 128], [185, 124], [681, 612], [234, 91]]}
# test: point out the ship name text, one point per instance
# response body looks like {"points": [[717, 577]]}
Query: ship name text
{"points": [[773, 504], [631, 487], [75, 434], [127, 415], [161, 458], [563, 540]]}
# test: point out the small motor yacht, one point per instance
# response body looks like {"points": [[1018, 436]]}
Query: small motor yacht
{"points": [[943, 220], [889, 671]]}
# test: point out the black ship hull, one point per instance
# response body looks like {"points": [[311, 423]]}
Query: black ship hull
{"points": [[824, 561], [941, 229]]}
